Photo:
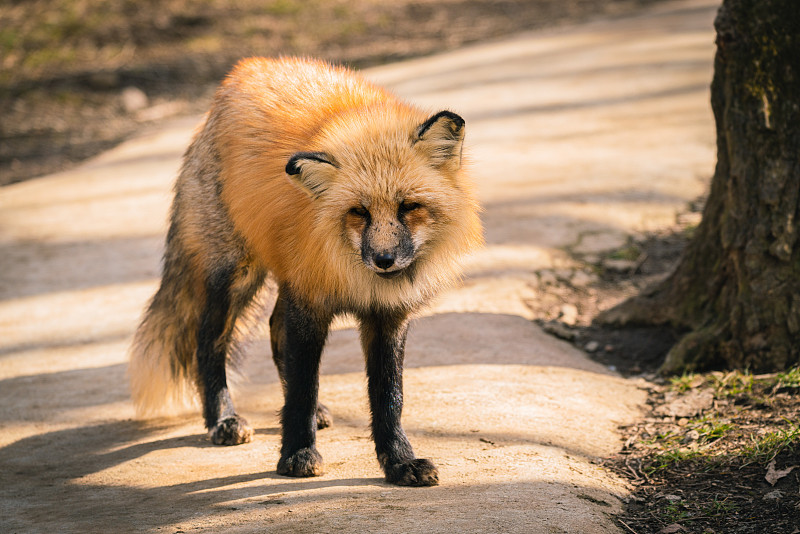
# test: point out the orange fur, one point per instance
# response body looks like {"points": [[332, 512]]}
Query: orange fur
{"points": [[265, 111]]}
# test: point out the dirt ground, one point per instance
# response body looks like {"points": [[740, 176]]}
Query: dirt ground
{"points": [[715, 452], [572, 137]]}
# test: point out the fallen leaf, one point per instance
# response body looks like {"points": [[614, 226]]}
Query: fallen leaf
{"points": [[697, 381], [687, 404], [774, 475], [672, 529]]}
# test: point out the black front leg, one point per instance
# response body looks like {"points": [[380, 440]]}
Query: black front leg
{"points": [[383, 336], [225, 426], [305, 332], [277, 334]]}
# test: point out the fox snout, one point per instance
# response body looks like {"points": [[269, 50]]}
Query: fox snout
{"points": [[387, 253], [387, 263]]}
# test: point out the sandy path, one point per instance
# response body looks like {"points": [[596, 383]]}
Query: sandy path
{"points": [[579, 137]]}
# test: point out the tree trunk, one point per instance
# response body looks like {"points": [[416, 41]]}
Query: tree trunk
{"points": [[737, 287]]}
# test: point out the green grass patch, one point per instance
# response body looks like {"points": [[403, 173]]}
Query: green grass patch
{"points": [[766, 447], [686, 381], [284, 7], [723, 436], [712, 430], [675, 512], [717, 507], [790, 378], [671, 458], [630, 252], [732, 384]]}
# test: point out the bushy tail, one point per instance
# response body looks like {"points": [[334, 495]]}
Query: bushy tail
{"points": [[162, 366]]}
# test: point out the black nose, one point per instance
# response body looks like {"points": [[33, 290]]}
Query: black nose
{"points": [[384, 260]]}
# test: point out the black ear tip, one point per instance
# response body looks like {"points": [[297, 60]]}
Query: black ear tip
{"points": [[291, 165], [455, 118]]}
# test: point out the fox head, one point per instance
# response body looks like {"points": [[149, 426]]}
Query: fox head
{"points": [[389, 186]]}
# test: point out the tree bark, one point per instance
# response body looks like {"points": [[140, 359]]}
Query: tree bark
{"points": [[737, 286]]}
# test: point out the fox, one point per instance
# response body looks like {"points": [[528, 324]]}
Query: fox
{"points": [[351, 201]]}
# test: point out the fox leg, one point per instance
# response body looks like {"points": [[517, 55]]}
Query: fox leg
{"points": [[300, 341], [383, 336], [277, 334], [228, 291]]}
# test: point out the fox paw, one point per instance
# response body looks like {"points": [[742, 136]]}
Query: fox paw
{"points": [[231, 431], [418, 472], [306, 462], [324, 417]]}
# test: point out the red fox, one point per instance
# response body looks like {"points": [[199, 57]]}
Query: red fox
{"points": [[352, 201]]}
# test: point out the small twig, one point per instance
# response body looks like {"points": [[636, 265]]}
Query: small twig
{"points": [[631, 440], [633, 472], [624, 524], [639, 262], [638, 473]]}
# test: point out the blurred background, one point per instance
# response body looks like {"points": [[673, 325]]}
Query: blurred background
{"points": [[79, 76]]}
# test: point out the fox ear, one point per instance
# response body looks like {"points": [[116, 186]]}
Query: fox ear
{"points": [[311, 170], [441, 137]]}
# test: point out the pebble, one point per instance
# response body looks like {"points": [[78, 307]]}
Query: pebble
{"points": [[133, 99], [692, 435], [569, 314], [591, 346]]}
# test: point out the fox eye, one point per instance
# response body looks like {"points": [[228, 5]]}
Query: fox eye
{"points": [[407, 206], [359, 211]]}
